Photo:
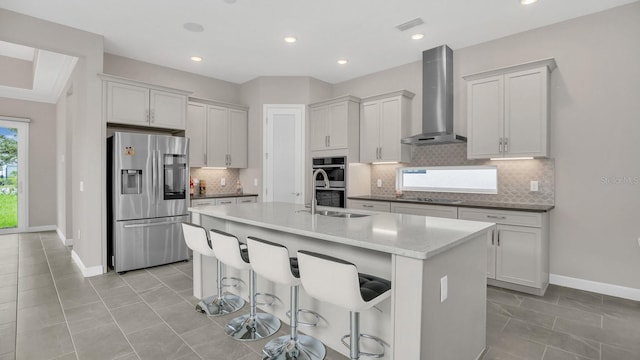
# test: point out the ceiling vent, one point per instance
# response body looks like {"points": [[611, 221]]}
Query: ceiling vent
{"points": [[410, 24]]}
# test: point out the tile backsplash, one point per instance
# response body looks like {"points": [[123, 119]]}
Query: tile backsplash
{"points": [[513, 176], [213, 179]]}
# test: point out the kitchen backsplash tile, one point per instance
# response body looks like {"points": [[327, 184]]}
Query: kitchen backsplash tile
{"points": [[513, 176], [213, 178]]}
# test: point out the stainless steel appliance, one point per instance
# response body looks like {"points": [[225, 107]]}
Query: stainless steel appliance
{"points": [[336, 194], [148, 199]]}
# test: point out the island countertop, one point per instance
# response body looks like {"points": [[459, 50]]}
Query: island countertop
{"points": [[412, 236]]}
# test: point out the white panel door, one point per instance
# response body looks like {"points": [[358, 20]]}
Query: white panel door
{"points": [[485, 114], [369, 132], [238, 132], [167, 110], [217, 136], [518, 255], [127, 104], [284, 149], [197, 133], [526, 113]]}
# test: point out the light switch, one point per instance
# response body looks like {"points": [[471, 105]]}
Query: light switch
{"points": [[379, 183], [444, 288], [223, 182]]}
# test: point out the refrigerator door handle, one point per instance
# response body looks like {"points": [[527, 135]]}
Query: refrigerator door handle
{"points": [[152, 224], [154, 179]]}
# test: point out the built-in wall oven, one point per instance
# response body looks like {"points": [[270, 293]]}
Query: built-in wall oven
{"points": [[336, 194]]}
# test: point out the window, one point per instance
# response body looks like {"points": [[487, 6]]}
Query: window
{"points": [[458, 179]]}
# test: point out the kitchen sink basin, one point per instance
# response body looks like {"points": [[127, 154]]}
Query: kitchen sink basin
{"points": [[337, 214]]}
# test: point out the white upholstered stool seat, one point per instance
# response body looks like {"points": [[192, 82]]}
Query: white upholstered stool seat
{"points": [[198, 240], [252, 326], [338, 282], [272, 261]]}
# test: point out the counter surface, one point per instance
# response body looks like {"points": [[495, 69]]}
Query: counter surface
{"points": [[412, 236]]}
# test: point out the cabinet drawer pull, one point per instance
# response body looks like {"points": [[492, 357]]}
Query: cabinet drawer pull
{"points": [[500, 146], [497, 217], [506, 145], [367, 206]]}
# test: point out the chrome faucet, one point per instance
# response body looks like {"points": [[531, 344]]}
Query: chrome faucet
{"points": [[314, 201]]}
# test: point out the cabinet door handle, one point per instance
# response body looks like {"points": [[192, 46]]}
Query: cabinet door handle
{"points": [[496, 217], [498, 238], [506, 145], [153, 115], [500, 146], [147, 114], [204, 156], [380, 153], [329, 140], [493, 237], [229, 159], [295, 193]]}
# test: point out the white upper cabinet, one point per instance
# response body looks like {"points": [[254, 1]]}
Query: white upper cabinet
{"points": [[385, 120], [334, 127], [218, 134], [137, 104], [508, 111]]}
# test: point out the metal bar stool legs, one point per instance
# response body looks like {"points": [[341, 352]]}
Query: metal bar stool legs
{"points": [[294, 346], [253, 326], [220, 304]]}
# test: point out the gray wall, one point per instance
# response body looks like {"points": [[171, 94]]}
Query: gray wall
{"points": [[594, 133], [42, 157], [87, 129]]}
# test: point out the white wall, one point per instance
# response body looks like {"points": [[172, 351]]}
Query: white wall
{"points": [[42, 160], [87, 136], [595, 102]]}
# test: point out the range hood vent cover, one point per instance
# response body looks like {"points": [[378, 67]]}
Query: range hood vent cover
{"points": [[437, 99]]}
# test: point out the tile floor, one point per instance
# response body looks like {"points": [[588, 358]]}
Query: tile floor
{"points": [[49, 311]]}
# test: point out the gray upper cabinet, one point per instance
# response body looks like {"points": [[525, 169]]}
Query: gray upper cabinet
{"points": [[138, 104], [508, 111], [218, 134], [334, 127]]}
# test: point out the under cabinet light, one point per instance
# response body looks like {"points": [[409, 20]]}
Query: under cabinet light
{"points": [[513, 158], [384, 163]]}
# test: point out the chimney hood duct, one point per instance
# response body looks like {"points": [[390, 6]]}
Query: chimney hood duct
{"points": [[437, 99]]}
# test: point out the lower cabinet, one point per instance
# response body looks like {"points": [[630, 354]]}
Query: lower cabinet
{"points": [[450, 212], [383, 206], [518, 250]]}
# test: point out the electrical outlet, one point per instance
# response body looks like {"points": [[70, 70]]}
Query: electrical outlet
{"points": [[444, 288], [223, 182], [638, 241], [533, 185], [255, 181], [81, 186], [78, 234], [379, 183]]}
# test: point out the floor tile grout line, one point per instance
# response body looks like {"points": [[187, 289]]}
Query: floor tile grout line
{"points": [[158, 315], [544, 352], [64, 314], [213, 321]]}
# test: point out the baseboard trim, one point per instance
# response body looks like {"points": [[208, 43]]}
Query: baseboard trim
{"points": [[597, 287], [86, 271], [42, 228], [63, 238]]}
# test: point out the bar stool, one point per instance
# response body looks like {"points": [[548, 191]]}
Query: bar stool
{"points": [[338, 282], [252, 326], [198, 240], [272, 262]]}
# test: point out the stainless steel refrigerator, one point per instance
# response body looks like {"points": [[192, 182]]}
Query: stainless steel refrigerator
{"points": [[148, 199]]}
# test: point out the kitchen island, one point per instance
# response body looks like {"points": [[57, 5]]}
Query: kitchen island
{"points": [[437, 308]]}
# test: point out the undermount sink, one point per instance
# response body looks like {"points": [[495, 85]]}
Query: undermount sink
{"points": [[337, 214]]}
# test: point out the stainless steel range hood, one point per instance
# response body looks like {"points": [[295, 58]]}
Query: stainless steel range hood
{"points": [[437, 99]]}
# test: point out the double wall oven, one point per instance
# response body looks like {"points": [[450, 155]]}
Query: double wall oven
{"points": [[336, 194]]}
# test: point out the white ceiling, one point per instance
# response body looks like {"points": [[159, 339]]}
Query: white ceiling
{"points": [[51, 71], [244, 40]]}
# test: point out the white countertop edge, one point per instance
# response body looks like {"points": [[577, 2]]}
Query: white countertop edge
{"points": [[421, 255]]}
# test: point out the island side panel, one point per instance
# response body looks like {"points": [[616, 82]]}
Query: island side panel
{"points": [[406, 302], [456, 328], [205, 273]]}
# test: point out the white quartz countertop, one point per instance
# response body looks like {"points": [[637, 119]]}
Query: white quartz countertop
{"points": [[414, 236]]}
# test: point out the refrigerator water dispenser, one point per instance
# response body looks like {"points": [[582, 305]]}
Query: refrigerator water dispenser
{"points": [[131, 181]]}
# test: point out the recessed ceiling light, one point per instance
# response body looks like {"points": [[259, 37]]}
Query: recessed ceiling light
{"points": [[196, 58], [193, 27], [230, 1], [527, 2], [343, 61], [417, 36], [290, 39]]}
